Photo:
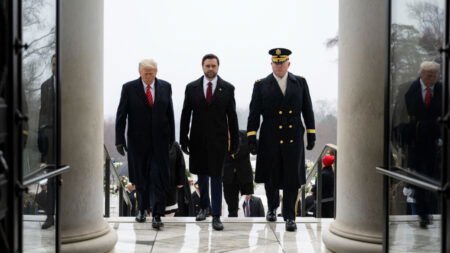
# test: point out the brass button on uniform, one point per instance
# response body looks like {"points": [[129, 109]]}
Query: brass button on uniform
{"points": [[290, 126], [290, 111], [281, 141], [280, 112], [291, 141], [280, 127]]}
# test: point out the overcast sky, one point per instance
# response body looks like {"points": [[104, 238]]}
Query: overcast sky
{"points": [[178, 33]]}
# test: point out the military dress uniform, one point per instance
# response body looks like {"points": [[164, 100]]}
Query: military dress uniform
{"points": [[280, 160]]}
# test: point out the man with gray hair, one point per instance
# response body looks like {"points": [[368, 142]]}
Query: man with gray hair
{"points": [[147, 105], [424, 105]]}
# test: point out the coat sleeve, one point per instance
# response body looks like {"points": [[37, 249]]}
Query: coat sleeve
{"points": [[180, 166], [308, 113], [255, 111], [233, 125], [170, 116], [121, 117], [185, 119]]}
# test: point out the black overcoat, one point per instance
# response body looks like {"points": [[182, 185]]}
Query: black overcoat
{"points": [[207, 134], [239, 164], [423, 130], [150, 132], [281, 155]]}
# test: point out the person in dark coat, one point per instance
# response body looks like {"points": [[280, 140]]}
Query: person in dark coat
{"points": [[253, 206], [281, 99], [46, 140], [184, 198], [424, 106], [177, 177], [147, 105], [131, 191], [327, 201], [209, 102], [237, 175]]}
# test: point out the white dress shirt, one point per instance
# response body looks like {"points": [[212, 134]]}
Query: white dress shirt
{"points": [[282, 82], [424, 90], [205, 84], [152, 89]]}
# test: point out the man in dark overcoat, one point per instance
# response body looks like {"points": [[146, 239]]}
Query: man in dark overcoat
{"points": [[147, 105], [424, 106], [237, 175], [46, 139], [281, 99], [209, 102]]}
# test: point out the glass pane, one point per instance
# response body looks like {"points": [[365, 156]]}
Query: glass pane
{"points": [[414, 219], [417, 33], [39, 82]]}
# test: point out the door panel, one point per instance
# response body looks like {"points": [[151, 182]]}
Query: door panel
{"points": [[416, 142]]}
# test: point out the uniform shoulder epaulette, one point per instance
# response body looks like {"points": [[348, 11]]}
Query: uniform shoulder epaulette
{"points": [[257, 81]]}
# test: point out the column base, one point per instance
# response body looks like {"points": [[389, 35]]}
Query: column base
{"points": [[336, 243], [100, 244]]}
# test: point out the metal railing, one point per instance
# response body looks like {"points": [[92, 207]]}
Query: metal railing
{"points": [[316, 172], [110, 172]]}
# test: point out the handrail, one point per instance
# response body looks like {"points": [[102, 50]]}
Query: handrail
{"points": [[317, 168], [123, 196]]}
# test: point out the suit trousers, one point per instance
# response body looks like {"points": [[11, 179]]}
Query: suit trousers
{"points": [[231, 193], [152, 196], [273, 196], [216, 194], [289, 199]]}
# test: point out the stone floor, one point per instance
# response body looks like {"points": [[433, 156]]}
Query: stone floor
{"points": [[183, 234], [239, 235]]}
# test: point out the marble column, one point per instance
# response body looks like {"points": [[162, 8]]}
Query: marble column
{"points": [[362, 50], [83, 228]]}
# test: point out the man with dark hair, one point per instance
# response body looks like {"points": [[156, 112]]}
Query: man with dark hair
{"points": [[209, 102], [281, 99], [146, 103]]}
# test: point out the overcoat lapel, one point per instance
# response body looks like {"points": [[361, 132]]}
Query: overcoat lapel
{"points": [[199, 92], [218, 91], [289, 88], [139, 89]]}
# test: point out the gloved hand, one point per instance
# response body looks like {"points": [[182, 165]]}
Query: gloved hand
{"points": [[122, 148], [311, 140], [252, 144]]}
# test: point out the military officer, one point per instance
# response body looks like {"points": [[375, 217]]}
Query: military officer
{"points": [[281, 99]]}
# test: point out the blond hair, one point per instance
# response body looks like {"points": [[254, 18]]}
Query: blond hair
{"points": [[429, 66], [148, 63]]}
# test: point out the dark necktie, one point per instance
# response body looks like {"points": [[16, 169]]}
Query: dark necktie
{"points": [[247, 208], [148, 93], [209, 93], [427, 96]]}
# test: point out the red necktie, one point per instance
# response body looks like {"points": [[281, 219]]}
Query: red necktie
{"points": [[427, 96], [209, 93], [148, 93]]}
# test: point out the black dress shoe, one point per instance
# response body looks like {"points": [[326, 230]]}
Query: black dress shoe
{"points": [[217, 224], [271, 215], [290, 225], [48, 222], [156, 222], [201, 215], [141, 216]]}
